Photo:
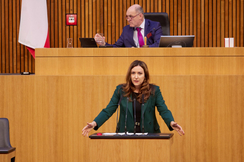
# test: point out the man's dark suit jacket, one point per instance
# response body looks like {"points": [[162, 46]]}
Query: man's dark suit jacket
{"points": [[152, 31], [150, 121]]}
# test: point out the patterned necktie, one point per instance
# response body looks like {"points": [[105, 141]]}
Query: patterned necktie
{"points": [[140, 38]]}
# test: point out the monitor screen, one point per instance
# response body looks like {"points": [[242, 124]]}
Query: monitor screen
{"points": [[88, 42], [176, 41]]}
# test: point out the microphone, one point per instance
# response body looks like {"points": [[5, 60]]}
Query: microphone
{"points": [[142, 108], [117, 127], [126, 116], [134, 116]]}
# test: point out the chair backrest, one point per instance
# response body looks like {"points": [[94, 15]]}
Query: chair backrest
{"points": [[161, 17], [4, 133]]}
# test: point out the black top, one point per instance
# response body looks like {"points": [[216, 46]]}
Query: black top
{"points": [[138, 111]]}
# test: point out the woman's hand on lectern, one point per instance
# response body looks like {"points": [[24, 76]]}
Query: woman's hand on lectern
{"points": [[177, 128], [88, 128]]}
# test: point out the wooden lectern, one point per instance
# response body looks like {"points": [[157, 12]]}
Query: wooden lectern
{"points": [[151, 147]]}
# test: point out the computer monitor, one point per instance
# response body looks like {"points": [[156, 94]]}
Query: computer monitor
{"points": [[88, 42], [176, 41]]}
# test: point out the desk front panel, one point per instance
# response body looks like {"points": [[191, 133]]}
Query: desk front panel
{"points": [[161, 61]]}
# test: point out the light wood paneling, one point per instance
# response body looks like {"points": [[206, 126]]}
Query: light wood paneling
{"points": [[107, 61], [49, 112], [210, 21]]}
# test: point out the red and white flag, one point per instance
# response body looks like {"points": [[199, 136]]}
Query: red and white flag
{"points": [[33, 31]]}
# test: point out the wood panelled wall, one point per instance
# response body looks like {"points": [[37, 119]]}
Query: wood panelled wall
{"points": [[209, 20], [14, 57]]}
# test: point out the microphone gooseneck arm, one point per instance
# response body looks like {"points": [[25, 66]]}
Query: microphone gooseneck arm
{"points": [[126, 116], [142, 109], [134, 116], [117, 126]]}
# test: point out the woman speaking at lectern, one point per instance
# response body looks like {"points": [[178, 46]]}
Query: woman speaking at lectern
{"points": [[137, 99]]}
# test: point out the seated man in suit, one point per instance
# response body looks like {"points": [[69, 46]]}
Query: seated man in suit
{"points": [[134, 33]]}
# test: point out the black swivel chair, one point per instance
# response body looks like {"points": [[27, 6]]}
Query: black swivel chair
{"points": [[7, 152], [161, 17]]}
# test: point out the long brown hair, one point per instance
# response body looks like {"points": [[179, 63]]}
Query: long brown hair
{"points": [[129, 87]]}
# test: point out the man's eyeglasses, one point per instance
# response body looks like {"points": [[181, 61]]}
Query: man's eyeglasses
{"points": [[130, 16]]}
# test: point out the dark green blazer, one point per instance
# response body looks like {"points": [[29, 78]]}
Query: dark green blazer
{"points": [[150, 121]]}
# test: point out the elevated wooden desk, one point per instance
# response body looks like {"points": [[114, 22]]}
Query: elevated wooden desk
{"points": [[161, 61]]}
